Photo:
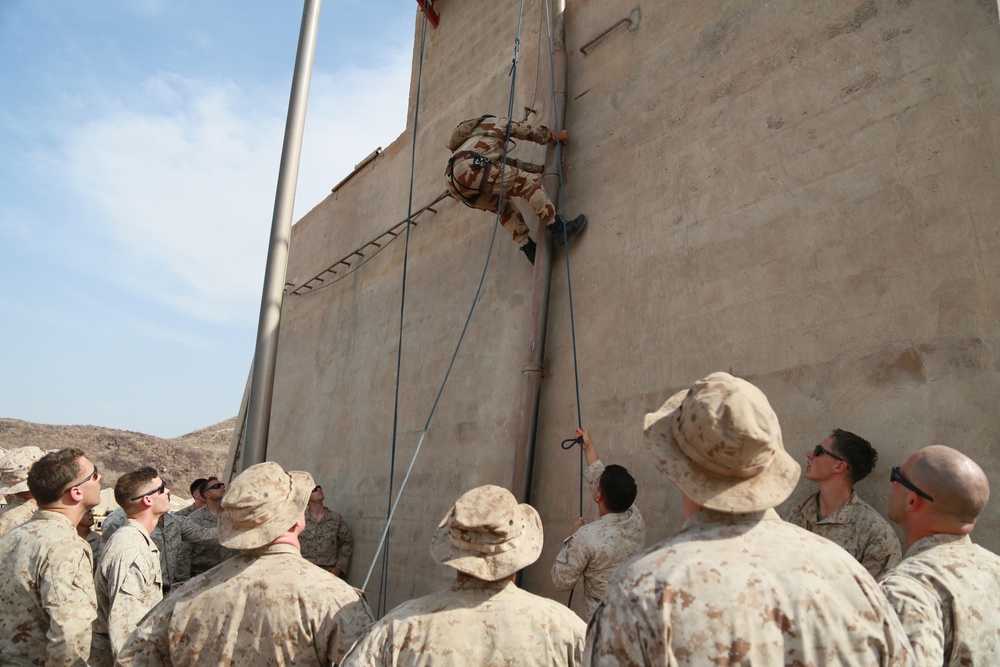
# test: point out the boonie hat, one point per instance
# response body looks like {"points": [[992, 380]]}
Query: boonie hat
{"points": [[261, 504], [720, 443], [14, 467], [488, 535]]}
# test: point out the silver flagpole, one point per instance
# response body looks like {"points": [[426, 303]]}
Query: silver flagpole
{"points": [[262, 380]]}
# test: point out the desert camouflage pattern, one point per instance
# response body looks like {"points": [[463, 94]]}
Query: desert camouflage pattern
{"points": [[47, 601], [858, 528], [175, 537], [745, 589], [262, 608], [15, 512], [598, 549], [206, 555], [465, 175], [327, 542], [945, 592], [128, 583], [95, 541], [474, 623]]}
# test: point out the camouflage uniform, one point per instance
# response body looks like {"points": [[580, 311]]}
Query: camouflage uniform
{"points": [[327, 542], [745, 589], [15, 512], [174, 538], [128, 583], [597, 549], [856, 527], [47, 601], [186, 511], [945, 592], [474, 623], [113, 521], [263, 608], [205, 556], [94, 539], [473, 174]]}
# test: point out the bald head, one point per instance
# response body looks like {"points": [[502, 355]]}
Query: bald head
{"points": [[956, 482]]}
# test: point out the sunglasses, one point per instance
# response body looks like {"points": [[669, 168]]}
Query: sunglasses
{"points": [[93, 475], [318, 488], [160, 489], [897, 476], [217, 485], [820, 449]]}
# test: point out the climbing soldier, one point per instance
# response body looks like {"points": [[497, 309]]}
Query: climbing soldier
{"points": [[474, 177]]}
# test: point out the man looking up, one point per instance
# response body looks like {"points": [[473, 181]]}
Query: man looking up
{"points": [[483, 618], [199, 500], [946, 589], [14, 468], [595, 550], [265, 606], [737, 585], [205, 556], [47, 601], [836, 512], [326, 540], [128, 579]]}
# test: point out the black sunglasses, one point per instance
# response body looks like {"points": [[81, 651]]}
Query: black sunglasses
{"points": [[217, 485], [92, 475], [160, 489], [318, 488], [897, 476], [820, 449]]}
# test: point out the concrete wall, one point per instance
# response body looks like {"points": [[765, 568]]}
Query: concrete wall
{"points": [[803, 193]]}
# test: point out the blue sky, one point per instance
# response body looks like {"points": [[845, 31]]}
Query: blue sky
{"points": [[139, 149]]}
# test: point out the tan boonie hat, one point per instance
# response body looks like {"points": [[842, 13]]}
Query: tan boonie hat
{"points": [[261, 504], [487, 535], [720, 443], [14, 467]]}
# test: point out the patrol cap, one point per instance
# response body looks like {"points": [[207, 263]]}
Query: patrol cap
{"points": [[14, 467], [488, 535], [261, 504], [720, 443]]}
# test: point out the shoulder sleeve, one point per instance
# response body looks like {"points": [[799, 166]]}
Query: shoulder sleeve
{"points": [[570, 562], [68, 597], [882, 552], [620, 632], [919, 611]]}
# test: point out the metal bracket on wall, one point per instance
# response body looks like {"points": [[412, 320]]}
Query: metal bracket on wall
{"points": [[632, 21]]}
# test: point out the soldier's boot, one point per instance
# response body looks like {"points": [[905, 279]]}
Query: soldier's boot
{"points": [[529, 250], [573, 227]]}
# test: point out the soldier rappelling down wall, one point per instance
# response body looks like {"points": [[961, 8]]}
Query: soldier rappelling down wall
{"points": [[474, 177]]}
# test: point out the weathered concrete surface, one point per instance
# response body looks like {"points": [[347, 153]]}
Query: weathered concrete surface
{"points": [[803, 193]]}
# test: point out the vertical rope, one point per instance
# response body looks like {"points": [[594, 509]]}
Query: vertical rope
{"points": [[383, 546], [383, 580]]}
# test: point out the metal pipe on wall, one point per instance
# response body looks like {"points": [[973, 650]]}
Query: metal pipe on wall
{"points": [[531, 382], [265, 356]]}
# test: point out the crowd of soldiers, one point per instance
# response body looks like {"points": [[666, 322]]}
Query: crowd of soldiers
{"points": [[828, 584]]}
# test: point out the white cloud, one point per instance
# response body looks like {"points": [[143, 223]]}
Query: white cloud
{"points": [[183, 197]]}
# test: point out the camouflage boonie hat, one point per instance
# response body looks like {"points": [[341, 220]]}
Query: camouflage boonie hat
{"points": [[487, 535], [14, 467], [261, 504], [720, 443]]}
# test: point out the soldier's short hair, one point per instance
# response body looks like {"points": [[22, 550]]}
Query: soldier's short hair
{"points": [[618, 488], [197, 485], [128, 485], [50, 475], [861, 456]]}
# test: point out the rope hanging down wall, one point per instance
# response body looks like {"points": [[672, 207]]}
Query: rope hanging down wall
{"points": [[382, 551]]}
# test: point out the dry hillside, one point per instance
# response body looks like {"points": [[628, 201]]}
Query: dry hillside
{"points": [[179, 460]]}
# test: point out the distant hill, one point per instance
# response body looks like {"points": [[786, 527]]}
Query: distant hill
{"points": [[179, 460]]}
